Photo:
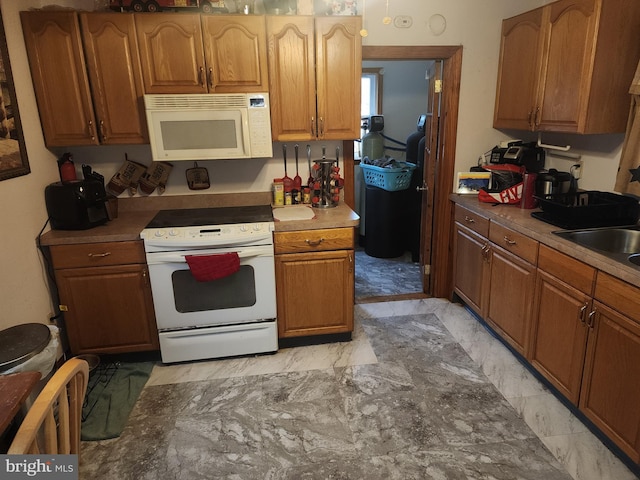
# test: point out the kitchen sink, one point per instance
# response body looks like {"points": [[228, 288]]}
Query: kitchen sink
{"points": [[618, 243]]}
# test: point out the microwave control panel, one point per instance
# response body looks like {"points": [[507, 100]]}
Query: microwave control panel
{"points": [[260, 125]]}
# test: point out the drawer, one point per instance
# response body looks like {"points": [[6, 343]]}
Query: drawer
{"points": [[314, 240], [568, 269], [516, 243], [97, 254], [619, 295], [472, 220]]}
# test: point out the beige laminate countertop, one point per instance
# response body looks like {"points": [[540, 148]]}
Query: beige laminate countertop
{"points": [[521, 221], [135, 213]]}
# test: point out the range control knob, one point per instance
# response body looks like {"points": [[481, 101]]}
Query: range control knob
{"points": [[159, 233], [243, 228], [173, 232], [257, 227]]}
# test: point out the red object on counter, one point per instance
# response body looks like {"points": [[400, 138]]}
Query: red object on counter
{"points": [[206, 268], [67, 168]]}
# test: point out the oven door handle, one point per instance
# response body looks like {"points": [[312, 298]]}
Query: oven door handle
{"points": [[179, 257]]}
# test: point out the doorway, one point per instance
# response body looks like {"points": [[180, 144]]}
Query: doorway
{"points": [[435, 243]]}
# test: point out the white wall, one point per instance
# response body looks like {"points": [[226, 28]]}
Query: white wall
{"points": [[471, 23]]}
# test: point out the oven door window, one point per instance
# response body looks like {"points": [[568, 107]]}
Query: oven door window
{"points": [[234, 291]]}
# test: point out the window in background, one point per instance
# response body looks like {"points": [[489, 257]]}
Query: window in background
{"points": [[370, 101]]}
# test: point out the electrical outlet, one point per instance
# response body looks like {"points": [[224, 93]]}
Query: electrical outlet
{"points": [[403, 21], [576, 170]]}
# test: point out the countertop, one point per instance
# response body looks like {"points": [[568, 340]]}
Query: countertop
{"points": [[520, 220], [135, 213]]}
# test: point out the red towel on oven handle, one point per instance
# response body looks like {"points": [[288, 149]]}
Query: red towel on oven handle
{"points": [[206, 268]]}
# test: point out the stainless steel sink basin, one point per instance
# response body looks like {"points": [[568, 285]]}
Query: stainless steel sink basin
{"points": [[611, 240], [621, 244]]}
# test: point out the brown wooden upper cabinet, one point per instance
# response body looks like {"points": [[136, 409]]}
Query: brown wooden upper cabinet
{"points": [[192, 53], [76, 108], [315, 65], [567, 67]]}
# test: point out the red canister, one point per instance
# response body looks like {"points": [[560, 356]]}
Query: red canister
{"points": [[67, 168]]}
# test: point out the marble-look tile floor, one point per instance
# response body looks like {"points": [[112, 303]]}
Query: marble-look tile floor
{"points": [[422, 392], [376, 277]]}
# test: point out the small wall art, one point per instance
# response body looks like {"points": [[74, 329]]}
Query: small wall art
{"points": [[472, 182]]}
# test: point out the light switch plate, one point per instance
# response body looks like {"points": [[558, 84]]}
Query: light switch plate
{"points": [[403, 21]]}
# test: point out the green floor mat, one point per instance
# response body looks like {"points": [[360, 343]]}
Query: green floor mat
{"points": [[111, 394]]}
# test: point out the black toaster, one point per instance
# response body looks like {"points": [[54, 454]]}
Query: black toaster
{"points": [[76, 205]]}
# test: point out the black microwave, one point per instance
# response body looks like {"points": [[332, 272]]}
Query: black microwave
{"points": [[76, 205]]}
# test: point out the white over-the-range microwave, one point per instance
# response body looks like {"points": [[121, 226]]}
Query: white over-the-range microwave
{"points": [[209, 126]]}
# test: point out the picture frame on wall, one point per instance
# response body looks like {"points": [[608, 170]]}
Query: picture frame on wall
{"points": [[13, 153], [472, 182]]}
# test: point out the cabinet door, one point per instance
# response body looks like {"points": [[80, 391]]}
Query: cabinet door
{"points": [[54, 48], [292, 82], [109, 309], [518, 71], [511, 281], [111, 52], [171, 52], [611, 381], [236, 53], [471, 268], [315, 293], [338, 77], [559, 333], [566, 72]]}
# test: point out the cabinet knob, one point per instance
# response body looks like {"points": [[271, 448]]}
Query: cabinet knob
{"points": [[313, 126], [92, 134], [201, 76], [103, 130], [210, 78], [321, 127]]}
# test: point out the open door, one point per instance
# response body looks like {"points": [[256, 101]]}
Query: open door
{"points": [[430, 171]]}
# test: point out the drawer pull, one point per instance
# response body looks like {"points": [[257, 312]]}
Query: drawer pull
{"points": [[591, 319], [508, 241], [99, 255], [314, 243], [468, 219]]}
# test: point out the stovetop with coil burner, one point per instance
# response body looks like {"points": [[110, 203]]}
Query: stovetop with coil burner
{"points": [[197, 217]]}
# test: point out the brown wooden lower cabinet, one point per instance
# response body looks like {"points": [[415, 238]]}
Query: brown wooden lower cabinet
{"points": [[315, 288], [106, 297], [561, 306], [577, 326]]}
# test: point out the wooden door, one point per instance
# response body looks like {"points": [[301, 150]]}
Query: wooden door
{"points": [[171, 52], [510, 297], [338, 77], [109, 309], [236, 53], [315, 293], [559, 333], [471, 268], [518, 71], [292, 82], [58, 70], [566, 73], [111, 50], [430, 170], [611, 381]]}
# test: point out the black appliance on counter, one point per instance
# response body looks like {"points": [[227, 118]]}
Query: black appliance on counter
{"points": [[518, 153], [76, 205]]}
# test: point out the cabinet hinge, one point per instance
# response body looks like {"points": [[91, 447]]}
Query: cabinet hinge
{"points": [[426, 270], [437, 86], [63, 308]]}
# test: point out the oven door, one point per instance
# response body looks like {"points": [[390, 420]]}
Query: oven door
{"points": [[180, 301]]}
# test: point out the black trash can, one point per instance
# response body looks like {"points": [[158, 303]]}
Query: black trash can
{"points": [[385, 222]]}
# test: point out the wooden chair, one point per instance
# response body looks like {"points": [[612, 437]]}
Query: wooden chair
{"points": [[52, 424]]}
